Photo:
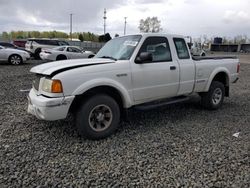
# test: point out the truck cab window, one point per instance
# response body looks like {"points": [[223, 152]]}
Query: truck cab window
{"points": [[181, 48], [159, 47]]}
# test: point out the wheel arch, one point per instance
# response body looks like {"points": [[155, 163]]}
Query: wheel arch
{"points": [[118, 92], [220, 75], [61, 55], [13, 55]]}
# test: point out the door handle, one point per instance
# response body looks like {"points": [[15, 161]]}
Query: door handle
{"points": [[172, 67]]}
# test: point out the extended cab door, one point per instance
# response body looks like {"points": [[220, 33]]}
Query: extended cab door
{"points": [[160, 77], [187, 66]]}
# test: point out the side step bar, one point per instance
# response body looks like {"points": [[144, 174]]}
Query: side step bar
{"points": [[160, 103]]}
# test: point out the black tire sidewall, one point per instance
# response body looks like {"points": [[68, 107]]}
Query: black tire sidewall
{"points": [[207, 97], [61, 57], [82, 116], [37, 53]]}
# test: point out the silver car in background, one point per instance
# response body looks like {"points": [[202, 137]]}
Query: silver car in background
{"points": [[13, 56], [65, 52]]}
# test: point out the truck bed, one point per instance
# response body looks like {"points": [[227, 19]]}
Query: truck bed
{"points": [[199, 58]]}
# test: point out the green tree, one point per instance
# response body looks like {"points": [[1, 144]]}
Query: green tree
{"points": [[5, 35], [150, 25], [80, 37]]}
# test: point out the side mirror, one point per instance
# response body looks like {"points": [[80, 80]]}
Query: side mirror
{"points": [[144, 57]]}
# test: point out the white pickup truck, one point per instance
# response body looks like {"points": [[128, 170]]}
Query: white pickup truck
{"points": [[142, 71]]}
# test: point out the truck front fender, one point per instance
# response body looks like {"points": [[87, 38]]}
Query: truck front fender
{"points": [[124, 93]]}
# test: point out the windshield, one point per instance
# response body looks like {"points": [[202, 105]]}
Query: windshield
{"points": [[119, 48]]}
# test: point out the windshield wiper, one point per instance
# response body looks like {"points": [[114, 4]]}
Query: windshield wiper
{"points": [[109, 57]]}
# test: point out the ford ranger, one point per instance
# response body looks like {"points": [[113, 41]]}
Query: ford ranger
{"points": [[142, 71]]}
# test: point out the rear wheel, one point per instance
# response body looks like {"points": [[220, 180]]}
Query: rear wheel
{"points": [[98, 117], [213, 99], [37, 54], [15, 59], [61, 57]]}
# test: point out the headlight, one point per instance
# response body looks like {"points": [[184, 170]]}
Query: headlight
{"points": [[52, 86]]}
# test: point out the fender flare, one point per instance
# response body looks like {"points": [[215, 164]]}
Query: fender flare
{"points": [[127, 101], [214, 73]]}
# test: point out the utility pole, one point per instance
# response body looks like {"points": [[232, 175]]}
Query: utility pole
{"points": [[71, 26], [125, 25], [104, 20]]}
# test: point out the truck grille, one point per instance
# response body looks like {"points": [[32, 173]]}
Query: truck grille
{"points": [[36, 82]]}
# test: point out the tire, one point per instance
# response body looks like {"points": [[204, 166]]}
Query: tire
{"points": [[213, 99], [98, 117], [15, 59], [37, 54], [61, 57]]}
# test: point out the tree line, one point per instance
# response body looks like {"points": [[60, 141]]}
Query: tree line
{"points": [[83, 36]]}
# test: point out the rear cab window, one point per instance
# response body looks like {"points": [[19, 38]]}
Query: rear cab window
{"points": [[159, 47], [181, 48]]}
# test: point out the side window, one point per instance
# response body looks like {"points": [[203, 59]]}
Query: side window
{"points": [[76, 50], [69, 49], [62, 43], [159, 47], [8, 45], [52, 42], [72, 49], [181, 48]]}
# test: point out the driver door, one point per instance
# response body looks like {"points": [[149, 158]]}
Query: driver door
{"points": [[156, 79]]}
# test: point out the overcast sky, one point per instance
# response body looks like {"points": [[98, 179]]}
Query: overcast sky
{"points": [[187, 17]]}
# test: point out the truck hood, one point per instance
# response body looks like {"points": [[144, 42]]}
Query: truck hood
{"points": [[59, 66]]}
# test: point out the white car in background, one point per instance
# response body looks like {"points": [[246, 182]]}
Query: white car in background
{"points": [[13, 56], [35, 45], [65, 52]]}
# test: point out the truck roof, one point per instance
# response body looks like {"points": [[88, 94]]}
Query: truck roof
{"points": [[160, 34]]}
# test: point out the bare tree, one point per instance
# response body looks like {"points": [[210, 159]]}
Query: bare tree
{"points": [[150, 25]]}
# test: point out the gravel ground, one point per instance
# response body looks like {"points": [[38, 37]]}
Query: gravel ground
{"points": [[180, 145]]}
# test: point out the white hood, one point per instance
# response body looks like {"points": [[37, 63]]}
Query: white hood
{"points": [[50, 68]]}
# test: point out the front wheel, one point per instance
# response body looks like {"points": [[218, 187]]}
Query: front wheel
{"points": [[213, 99], [98, 117], [15, 59]]}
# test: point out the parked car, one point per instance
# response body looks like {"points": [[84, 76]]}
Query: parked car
{"points": [[13, 46], [10, 45], [195, 47], [20, 42], [65, 52], [13, 56], [35, 45], [141, 71], [196, 50]]}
